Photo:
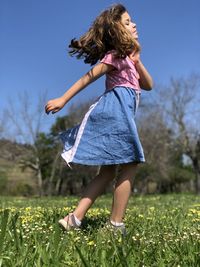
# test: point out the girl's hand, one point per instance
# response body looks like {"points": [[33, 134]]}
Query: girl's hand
{"points": [[54, 105]]}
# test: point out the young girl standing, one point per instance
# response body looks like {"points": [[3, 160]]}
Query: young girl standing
{"points": [[107, 135]]}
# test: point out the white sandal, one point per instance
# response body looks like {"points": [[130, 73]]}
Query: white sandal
{"points": [[69, 225], [121, 229]]}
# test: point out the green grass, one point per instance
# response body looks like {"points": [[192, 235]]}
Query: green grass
{"points": [[163, 230]]}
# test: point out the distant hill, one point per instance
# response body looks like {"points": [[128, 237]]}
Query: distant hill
{"points": [[14, 181]]}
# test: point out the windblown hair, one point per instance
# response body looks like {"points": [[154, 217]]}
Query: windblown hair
{"points": [[106, 33]]}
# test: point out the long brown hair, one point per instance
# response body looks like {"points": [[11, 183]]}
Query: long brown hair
{"points": [[106, 33]]}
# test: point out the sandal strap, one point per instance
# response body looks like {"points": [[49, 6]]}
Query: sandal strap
{"points": [[69, 222], [74, 224]]}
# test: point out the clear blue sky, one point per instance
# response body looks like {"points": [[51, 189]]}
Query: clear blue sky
{"points": [[34, 35]]}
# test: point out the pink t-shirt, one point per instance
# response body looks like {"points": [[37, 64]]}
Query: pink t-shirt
{"points": [[124, 74]]}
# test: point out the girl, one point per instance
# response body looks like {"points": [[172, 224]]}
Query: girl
{"points": [[107, 135]]}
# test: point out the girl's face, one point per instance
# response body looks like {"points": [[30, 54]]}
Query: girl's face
{"points": [[129, 25]]}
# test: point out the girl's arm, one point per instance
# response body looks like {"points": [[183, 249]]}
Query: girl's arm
{"points": [[145, 80], [96, 72]]}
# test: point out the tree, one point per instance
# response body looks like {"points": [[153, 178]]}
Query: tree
{"points": [[182, 112], [26, 123], [156, 140], [3, 125]]}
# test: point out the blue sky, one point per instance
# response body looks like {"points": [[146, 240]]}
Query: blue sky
{"points": [[35, 34]]}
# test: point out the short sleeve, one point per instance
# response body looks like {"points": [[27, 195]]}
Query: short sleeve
{"points": [[110, 59]]}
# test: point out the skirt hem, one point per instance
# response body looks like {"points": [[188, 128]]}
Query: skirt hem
{"points": [[89, 163]]}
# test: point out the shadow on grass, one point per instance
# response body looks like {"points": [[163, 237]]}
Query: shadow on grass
{"points": [[94, 223]]}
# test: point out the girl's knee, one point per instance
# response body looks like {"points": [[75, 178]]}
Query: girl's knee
{"points": [[128, 170], [108, 171]]}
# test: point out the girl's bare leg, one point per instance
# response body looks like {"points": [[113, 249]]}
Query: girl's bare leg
{"points": [[94, 189], [122, 191]]}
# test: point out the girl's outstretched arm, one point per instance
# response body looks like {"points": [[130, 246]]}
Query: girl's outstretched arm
{"points": [[96, 72]]}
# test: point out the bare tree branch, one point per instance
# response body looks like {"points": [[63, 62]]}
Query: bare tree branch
{"points": [[26, 123], [182, 98]]}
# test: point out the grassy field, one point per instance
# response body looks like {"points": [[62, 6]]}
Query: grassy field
{"points": [[163, 230]]}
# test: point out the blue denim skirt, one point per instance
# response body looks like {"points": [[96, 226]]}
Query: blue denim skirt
{"points": [[107, 134]]}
